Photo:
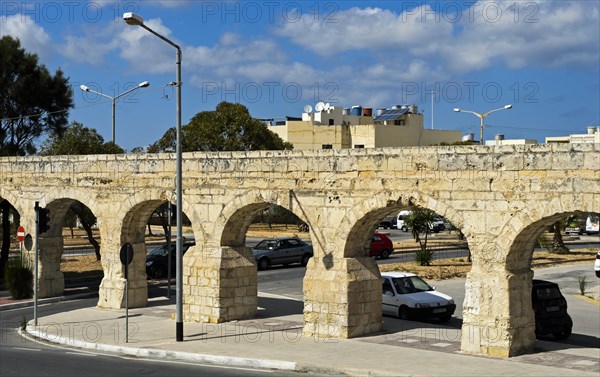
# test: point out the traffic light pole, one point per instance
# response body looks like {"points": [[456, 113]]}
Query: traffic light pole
{"points": [[35, 263]]}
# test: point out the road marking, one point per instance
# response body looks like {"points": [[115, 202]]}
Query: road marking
{"points": [[27, 349], [588, 299], [272, 295], [81, 353]]}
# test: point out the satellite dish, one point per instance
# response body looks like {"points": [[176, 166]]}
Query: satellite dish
{"points": [[320, 106], [327, 106], [307, 108]]}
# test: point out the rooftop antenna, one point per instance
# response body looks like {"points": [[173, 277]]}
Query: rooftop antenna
{"points": [[327, 106], [307, 108], [432, 101], [320, 106]]}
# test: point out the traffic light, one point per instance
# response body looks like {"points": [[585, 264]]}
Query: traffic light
{"points": [[44, 219]]}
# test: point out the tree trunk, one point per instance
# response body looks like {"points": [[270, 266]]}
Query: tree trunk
{"points": [[558, 245], [5, 207], [90, 236]]}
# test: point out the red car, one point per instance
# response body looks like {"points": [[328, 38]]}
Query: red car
{"points": [[381, 246]]}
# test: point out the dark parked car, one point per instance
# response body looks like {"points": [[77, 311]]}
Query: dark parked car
{"points": [[389, 222], [550, 308], [157, 260], [283, 251], [381, 246]]}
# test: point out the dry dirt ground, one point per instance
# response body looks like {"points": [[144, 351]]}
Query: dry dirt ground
{"points": [[440, 269]]}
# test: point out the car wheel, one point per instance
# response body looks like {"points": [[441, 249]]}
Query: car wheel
{"points": [[264, 264], [404, 228], [403, 312], [304, 260], [562, 334], [385, 254]]}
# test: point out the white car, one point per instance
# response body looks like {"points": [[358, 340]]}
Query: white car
{"points": [[407, 296], [597, 264]]}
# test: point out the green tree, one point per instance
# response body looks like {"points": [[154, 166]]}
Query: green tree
{"points": [[32, 101], [77, 139], [420, 222], [229, 128]]}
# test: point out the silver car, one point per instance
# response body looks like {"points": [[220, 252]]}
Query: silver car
{"points": [[274, 251]]}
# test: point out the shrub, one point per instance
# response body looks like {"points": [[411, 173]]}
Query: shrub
{"points": [[19, 278], [582, 279], [424, 257]]}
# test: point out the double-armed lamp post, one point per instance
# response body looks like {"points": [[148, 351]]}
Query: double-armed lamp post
{"points": [[482, 117], [135, 20], [113, 99]]}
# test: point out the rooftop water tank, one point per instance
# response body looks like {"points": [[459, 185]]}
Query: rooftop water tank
{"points": [[413, 109], [367, 111], [380, 110], [468, 137], [357, 110], [346, 111]]}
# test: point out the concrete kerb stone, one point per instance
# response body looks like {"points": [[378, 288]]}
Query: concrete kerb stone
{"points": [[28, 303], [163, 354]]}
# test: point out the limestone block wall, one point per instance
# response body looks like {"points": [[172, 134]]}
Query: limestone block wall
{"points": [[500, 197]]}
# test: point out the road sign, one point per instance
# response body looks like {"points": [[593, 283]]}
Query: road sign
{"points": [[126, 254], [28, 243], [21, 234]]}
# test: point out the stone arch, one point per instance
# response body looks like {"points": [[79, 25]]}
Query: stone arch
{"points": [[502, 270], [362, 219], [14, 200], [529, 223], [220, 283], [239, 213], [129, 222], [51, 242]]}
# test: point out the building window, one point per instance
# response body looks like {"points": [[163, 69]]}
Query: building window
{"points": [[327, 146], [399, 122], [331, 122], [359, 145]]}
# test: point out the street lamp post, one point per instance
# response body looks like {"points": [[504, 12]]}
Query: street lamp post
{"points": [[134, 19], [481, 117], [113, 99]]}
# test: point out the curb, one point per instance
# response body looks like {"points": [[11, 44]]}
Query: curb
{"points": [[25, 304], [232, 361], [165, 354]]}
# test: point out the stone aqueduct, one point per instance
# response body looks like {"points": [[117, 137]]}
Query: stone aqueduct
{"points": [[500, 197]]}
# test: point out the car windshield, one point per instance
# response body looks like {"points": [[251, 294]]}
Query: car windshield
{"points": [[266, 245], [411, 284], [159, 251]]}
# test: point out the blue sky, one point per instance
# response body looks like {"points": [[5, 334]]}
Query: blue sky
{"points": [[543, 57]]}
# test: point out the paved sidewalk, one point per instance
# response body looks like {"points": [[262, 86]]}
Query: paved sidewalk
{"points": [[273, 340]]}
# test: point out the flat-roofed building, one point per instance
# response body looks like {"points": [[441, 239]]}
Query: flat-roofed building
{"points": [[357, 127]]}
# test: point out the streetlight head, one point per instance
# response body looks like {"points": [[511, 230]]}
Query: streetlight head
{"points": [[143, 84], [508, 107], [456, 109], [133, 19], [84, 88]]}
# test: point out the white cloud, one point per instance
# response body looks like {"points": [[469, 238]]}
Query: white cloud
{"points": [[514, 33], [32, 36], [369, 28], [146, 52], [91, 45]]}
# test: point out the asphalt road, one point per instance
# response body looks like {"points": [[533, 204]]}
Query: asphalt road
{"points": [[20, 356]]}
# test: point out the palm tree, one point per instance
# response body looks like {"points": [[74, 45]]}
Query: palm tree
{"points": [[420, 222]]}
